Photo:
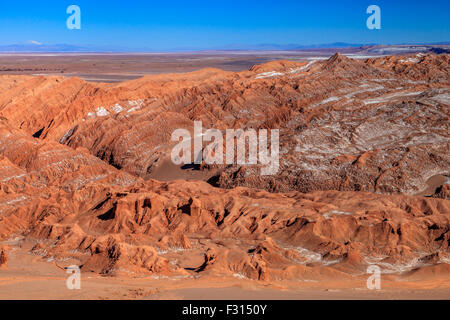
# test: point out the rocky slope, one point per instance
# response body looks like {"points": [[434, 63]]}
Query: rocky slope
{"points": [[379, 125]]}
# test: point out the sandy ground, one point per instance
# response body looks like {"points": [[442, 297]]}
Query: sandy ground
{"points": [[32, 277], [433, 183], [167, 171]]}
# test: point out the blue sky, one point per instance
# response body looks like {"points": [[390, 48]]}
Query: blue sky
{"points": [[166, 25]]}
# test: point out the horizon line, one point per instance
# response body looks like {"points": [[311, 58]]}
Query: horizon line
{"points": [[35, 48]]}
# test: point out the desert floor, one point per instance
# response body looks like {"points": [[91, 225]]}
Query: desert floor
{"points": [[122, 67]]}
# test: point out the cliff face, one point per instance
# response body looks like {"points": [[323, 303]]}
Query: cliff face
{"points": [[357, 140]]}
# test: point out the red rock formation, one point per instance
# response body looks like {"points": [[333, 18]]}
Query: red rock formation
{"points": [[356, 137]]}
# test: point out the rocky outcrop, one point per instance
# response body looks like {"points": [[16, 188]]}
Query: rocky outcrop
{"points": [[3, 258]]}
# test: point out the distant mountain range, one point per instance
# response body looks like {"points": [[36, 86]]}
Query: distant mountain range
{"points": [[33, 48], [68, 48], [266, 46]]}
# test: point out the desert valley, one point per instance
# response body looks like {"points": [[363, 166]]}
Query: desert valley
{"points": [[86, 178]]}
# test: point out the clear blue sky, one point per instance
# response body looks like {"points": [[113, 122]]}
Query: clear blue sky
{"points": [[163, 25]]}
